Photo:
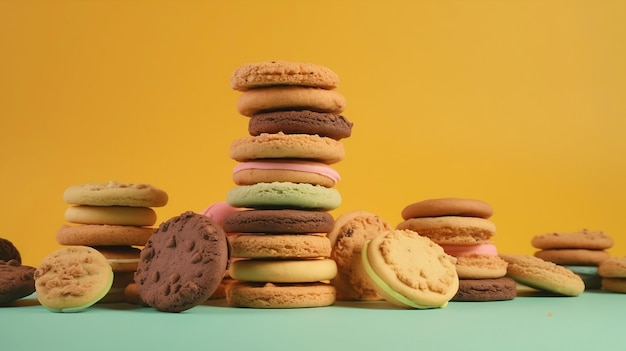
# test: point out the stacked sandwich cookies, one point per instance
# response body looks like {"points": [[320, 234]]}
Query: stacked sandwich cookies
{"points": [[115, 219], [463, 229], [285, 182], [581, 252]]}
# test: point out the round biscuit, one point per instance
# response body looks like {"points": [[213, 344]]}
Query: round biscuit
{"points": [[582, 257], [498, 289], [448, 207], [270, 295], [616, 285], [284, 98], [279, 246], [543, 275], [281, 221], [121, 258], [614, 267], [330, 125], [452, 230], [113, 215], [103, 235], [287, 146], [283, 271], [270, 73], [584, 239], [480, 267], [115, 194]]}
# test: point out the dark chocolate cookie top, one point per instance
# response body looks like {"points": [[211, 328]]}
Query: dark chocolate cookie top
{"points": [[16, 281], [278, 222], [301, 122], [8, 251]]}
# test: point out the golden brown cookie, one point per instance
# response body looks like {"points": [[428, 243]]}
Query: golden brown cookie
{"points": [[103, 235], [614, 267], [543, 275], [480, 267], [581, 257], [452, 230], [293, 98], [584, 239], [350, 232], [121, 258], [269, 73], [279, 246], [410, 270], [448, 207], [115, 194], [274, 295], [113, 215]]}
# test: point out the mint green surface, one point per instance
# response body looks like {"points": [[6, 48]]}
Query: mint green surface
{"points": [[592, 321]]}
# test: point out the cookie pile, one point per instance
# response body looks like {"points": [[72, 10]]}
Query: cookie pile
{"points": [[463, 229], [285, 182], [581, 252], [114, 218]]}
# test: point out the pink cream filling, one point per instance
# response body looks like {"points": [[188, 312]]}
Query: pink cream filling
{"points": [[479, 249], [218, 211], [310, 167]]}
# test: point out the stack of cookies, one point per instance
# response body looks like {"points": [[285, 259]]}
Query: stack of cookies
{"points": [[463, 229], [114, 218], [581, 252], [285, 182], [613, 273]]}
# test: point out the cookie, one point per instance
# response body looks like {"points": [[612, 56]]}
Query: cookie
{"points": [[72, 279], [292, 146], [580, 257], [274, 295], [284, 98], [349, 234], [103, 235], [329, 125], [269, 73], [113, 215], [294, 171], [279, 246], [480, 267], [448, 207], [16, 281], [182, 263], [477, 290], [8, 251], [278, 222], [452, 230], [584, 239], [283, 271], [285, 195], [543, 275], [410, 270], [616, 285], [613, 273], [115, 194], [121, 258]]}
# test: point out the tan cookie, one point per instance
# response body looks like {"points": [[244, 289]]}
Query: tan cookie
{"points": [[72, 278], [452, 230], [115, 194], [103, 235], [614, 267], [121, 258], [448, 207], [270, 295], [283, 271], [543, 275], [350, 232], [283, 98], [480, 267], [410, 270], [270, 73], [616, 285], [585, 239], [574, 257], [279, 246], [113, 215], [286, 146]]}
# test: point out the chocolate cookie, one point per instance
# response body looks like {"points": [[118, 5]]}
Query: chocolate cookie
{"points": [[16, 281], [486, 290], [301, 122], [8, 251], [278, 222], [183, 263]]}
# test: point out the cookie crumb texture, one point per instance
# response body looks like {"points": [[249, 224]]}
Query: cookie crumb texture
{"points": [[182, 263]]}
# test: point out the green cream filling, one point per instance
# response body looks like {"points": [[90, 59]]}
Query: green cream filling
{"points": [[385, 287]]}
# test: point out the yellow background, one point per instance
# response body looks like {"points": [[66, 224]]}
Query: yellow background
{"points": [[518, 103]]}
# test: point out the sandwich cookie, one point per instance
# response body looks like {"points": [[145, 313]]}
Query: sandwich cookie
{"points": [[291, 146], [294, 171], [543, 275], [285, 98], [410, 270], [275, 295], [452, 230], [16, 281], [301, 122], [278, 222], [72, 279], [112, 215], [284, 195], [448, 207], [271, 73], [349, 234], [183, 263], [103, 235], [115, 194], [283, 271], [279, 246], [613, 273]]}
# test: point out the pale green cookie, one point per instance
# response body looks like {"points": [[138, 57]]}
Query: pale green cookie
{"points": [[284, 195]]}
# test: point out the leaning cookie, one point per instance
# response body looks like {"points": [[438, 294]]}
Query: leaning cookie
{"points": [[16, 281], [543, 275], [410, 270], [72, 279]]}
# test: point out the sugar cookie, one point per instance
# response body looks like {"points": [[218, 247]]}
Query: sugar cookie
{"points": [[270, 73]]}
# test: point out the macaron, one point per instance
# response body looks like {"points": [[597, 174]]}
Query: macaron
{"points": [[284, 195], [294, 171]]}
